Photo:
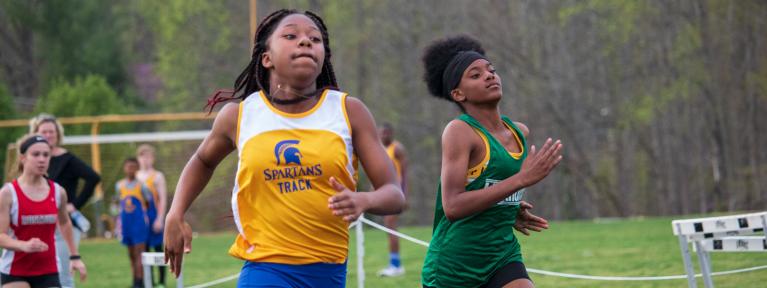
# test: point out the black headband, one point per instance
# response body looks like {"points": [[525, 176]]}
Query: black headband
{"points": [[451, 77], [31, 141]]}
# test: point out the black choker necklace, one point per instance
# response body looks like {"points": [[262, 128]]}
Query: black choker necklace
{"points": [[299, 99]]}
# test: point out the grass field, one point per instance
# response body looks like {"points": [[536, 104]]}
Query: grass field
{"points": [[636, 247]]}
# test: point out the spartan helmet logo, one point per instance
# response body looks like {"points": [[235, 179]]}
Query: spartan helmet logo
{"points": [[129, 206], [286, 150]]}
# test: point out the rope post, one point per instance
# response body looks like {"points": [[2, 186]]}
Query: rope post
{"points": [[360, 253], [149, 259]]}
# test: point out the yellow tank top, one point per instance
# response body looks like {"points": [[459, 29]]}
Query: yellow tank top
{"points": [[135, 191], [149, 182], [281, 190], [397, 166]]}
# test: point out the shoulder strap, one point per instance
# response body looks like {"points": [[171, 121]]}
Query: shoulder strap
{"points": [[54, 192], [19, 197], [480, 129], [471, 121], [121, 187], [17, 187]]}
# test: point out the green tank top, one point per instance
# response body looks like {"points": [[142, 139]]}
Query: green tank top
{"points": [[466, 253]]}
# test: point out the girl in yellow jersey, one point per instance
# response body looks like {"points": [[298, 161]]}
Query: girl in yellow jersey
{"points": [[297, 142], [135, 200]]}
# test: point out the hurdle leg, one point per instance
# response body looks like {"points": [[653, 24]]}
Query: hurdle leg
{"points": [[150, 259], [686, 258], [764, 225], [147, 275], [360, 253], [705, 264]]}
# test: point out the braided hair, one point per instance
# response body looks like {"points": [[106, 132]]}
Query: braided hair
{"points": [[255, 77]]}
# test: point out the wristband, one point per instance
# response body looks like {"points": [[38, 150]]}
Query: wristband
{"points": [[74, 257]]}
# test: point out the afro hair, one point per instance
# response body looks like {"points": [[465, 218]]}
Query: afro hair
{"points": [[438, 54]]}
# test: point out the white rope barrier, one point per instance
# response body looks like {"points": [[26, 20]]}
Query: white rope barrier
{"points": [[395, 233], [216, 282], [531, 270]]}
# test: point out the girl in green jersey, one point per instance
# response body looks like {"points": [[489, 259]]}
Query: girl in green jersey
{"points": [[485, 168]]}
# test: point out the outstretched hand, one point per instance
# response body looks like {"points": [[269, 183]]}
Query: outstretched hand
{"points": [[539, 164], [350, 205], [527, 221], [178, 241]]}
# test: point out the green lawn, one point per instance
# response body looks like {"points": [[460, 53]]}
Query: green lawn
{"points": [[637, 247]]}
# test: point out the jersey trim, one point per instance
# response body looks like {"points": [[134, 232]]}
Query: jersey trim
{"points": [[474, 172], [515, 155], [239, 116], [346, 113], [293, 115]]}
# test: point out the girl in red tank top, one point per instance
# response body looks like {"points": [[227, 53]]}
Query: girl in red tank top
{"points": [[30, 211]]}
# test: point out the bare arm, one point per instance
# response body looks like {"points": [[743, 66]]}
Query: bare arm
{"points": [[387, 197], [65, 226], [91, 180], [456, 148], [196, 174], [162, 193], [162, 190], [6, 242]]}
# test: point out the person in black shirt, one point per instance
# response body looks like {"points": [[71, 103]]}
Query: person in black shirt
{"points": [[66, 170]]}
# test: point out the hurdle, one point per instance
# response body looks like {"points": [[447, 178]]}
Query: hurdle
{"points": [[718, 234], [150, 259]]}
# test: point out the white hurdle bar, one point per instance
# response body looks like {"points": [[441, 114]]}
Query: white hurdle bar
{"points": [[718, 234], [736, 244], [150, 259]]}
